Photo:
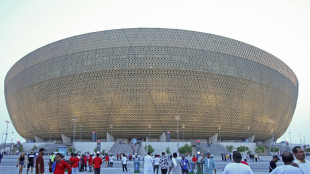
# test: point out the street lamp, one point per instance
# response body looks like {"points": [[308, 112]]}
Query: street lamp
{"points": [[6, 133], [51, 135], [111, 127], [148, 140], [183, 127], [249, 134], [290, 138], [74, 119], [80, 132], [177, 118], [271, 121], [219, 129]]}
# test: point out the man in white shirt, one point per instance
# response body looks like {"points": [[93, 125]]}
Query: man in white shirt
{"points": [[288, 167], [300, 156], [124, 162], [237, 167], [148, 164]]}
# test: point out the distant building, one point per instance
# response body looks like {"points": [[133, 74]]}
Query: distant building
{"points": [[123, 81]]}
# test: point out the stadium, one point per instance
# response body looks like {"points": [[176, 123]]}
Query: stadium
{"points": [[139, 82]]}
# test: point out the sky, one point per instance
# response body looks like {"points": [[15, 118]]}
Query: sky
{"points": [[280, 27]]}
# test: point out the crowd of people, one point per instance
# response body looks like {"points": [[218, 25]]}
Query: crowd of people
{"points": [[161, 163]]}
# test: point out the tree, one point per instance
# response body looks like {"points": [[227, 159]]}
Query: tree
{"points": [[249, 152], [308, 150], [96, 150], [21, 148], [168, 150], [185, 149], [260, 149], [102, 151], [242, 148], [71, 149], [150, 148], [34, 147], [274, 149], [230, 148]]}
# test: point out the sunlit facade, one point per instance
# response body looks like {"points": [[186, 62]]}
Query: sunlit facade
{"points": [[123, 81]]}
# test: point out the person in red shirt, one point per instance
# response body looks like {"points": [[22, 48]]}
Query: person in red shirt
{"points": [[90, 163], [61, 165], [107, 160], [40, 162], [71, 159], [194, 159], [74, 161], [97, 164]]}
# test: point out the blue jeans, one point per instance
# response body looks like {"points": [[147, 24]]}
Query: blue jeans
{"points": [[90, 167], [74, 170]]}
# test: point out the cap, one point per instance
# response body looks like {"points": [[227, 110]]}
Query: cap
{"points": [[183, 155], [276, 157], [208, 153]]}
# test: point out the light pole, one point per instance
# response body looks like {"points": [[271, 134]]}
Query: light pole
{"points": [[183, 127], [80, 132], [249, 134], [51, 135], [6, 133], [290, 138], [148, 140], [219, 129], [271, 121], [74, 119], [11, 142], [111, 127], [177, 118]]}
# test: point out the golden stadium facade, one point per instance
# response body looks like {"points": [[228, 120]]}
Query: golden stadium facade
{"points": [[131, 81]]}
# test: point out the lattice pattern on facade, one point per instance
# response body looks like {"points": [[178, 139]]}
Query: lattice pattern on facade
{"points": [[132, 78]]}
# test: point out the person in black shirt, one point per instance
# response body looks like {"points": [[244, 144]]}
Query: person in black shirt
{"points": [[272, 163], [30, 160]]}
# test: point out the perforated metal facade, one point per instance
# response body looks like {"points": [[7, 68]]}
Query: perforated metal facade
{"points": [[133, 78]]}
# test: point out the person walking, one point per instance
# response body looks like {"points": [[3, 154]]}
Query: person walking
{"points": [[124, 162], [156, 162], [289, 166], [272, 163], [175, 164], [107, 158], [237, 167], [40, 162], [300, 156], [52, 158], [111, 160], [74, 161], [61, 165], [90, 163], [185, 165], [82, 163], [21, 162], [163, 163], [208, 164], [1, 156], [148, 164], [30, 161], [97, 164]]}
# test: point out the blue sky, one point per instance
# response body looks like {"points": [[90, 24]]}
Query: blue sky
{"points": [[280, 27]]}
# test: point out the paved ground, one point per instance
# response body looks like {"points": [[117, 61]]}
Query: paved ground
{"points": [[8, 166]]}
